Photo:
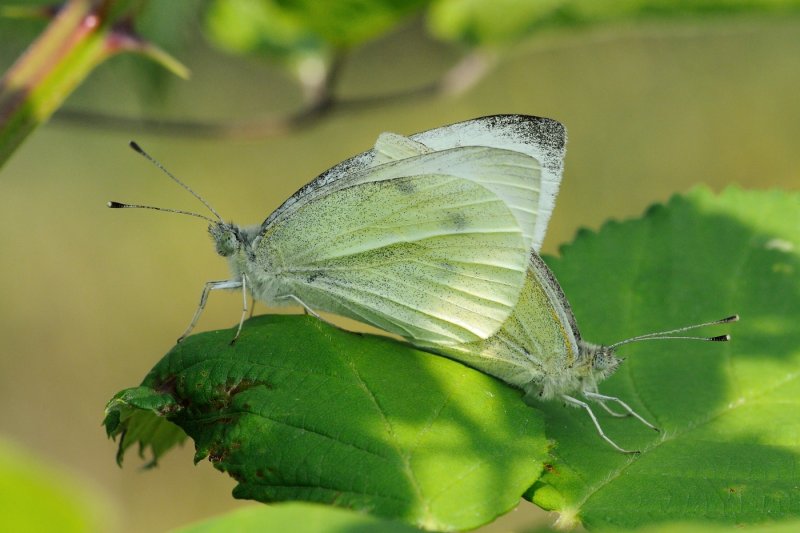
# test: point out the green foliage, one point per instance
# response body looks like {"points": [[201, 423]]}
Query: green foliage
{"points": [[167, 22], [293, 29], [256, 27], [82, 35], [138, 416], [479, 22], [698, 527], [490, 22], [37, 497], [299, 410], [297, 518], [170, 24], [729, 450], [308, 518], [347, 23]]}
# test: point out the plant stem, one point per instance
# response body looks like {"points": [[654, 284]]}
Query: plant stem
{"points": [[81, 36]]}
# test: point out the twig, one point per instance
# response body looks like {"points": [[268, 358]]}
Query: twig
{"points": [[321, 104]]}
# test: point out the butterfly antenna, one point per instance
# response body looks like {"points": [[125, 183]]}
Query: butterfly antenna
{"points": [[150, 158], [669, 334], [120, 205]]}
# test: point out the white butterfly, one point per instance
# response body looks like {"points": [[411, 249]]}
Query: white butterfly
{"points": [[435, 237], [424, 236]]}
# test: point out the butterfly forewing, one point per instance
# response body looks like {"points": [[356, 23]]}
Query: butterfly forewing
{"points": [[513, 176], [543, 139], [528, 184], [435, 258]]}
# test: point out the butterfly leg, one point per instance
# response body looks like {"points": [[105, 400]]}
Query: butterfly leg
{"points": [[313, 313], [585, 406], [603, 404], [244, 310], [306, 309], [209, 286], [601, 398], [610, 411]]}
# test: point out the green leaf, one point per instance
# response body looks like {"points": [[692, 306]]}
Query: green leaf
{"points": [[262, 28], [299, 410], [347, 23], [700, 527], [297, 518], [491, 22], [479, 22], [729, 451], [170, 24], [35, 496], [295, 28], [137, 416]]}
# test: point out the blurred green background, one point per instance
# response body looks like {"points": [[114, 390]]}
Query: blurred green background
{"points": [[92, 298]]}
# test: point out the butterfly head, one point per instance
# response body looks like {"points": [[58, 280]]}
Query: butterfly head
{"points": [[228, 238], [602, 360]]}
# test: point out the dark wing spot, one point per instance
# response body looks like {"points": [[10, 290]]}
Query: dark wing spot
{"points": [[458, 220], [404, 186]]}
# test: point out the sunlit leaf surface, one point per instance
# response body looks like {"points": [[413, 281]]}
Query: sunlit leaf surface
{"points": [[299, 410], [729, 450]]}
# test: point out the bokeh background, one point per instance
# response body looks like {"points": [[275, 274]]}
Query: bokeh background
{"points": [[91, 298]]}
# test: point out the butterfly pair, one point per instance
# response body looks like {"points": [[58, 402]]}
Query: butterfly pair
{"points": [[433, 237]]}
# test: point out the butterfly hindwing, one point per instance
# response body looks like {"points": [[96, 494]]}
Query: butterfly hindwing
{"points": [[538, 344], [393, 147]]}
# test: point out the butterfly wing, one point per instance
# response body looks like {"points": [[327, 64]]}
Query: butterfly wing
{"points": [[393, 147], [528, 185], [543, 139], [513, 176], [537, 347], [434, 258]]}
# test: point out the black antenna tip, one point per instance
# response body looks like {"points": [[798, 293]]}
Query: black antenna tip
{"points": [[115, 205], [732, 318], [136, 147], [720, 338]]}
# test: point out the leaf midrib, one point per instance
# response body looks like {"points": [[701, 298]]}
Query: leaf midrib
{"points": [[393, 439]]}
